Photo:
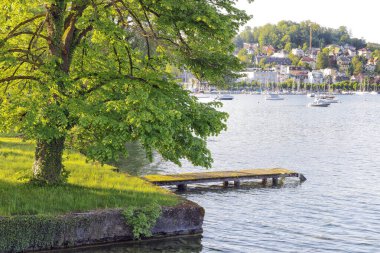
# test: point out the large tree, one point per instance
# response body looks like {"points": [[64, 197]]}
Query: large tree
{"points": [[90, 74], [323, 59]]}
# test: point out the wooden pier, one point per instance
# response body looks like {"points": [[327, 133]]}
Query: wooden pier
{"points": [[182, 180]]}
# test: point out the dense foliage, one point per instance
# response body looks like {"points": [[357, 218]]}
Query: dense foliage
{"points": [[92, 74], [289, 34]]}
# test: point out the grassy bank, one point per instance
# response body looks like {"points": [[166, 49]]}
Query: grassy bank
{"points": [[90, 186]]}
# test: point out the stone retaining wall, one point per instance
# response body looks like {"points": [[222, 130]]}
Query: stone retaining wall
{"points": [[33, 233]]}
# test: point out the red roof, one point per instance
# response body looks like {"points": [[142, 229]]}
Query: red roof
{"points": [[307, 59]]}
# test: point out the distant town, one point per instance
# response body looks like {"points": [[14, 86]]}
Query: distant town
{"points": [[346, 65]]}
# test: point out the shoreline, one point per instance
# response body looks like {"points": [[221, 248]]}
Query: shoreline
{"points": [[97, 228]]}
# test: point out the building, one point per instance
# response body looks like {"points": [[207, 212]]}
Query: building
{"points": [[268, 50], [251, 47], [298, 52], [328, 72], [315, 77], [298, 74], [334, 50], [340, 77], [343, 63], [371, 65], [313, 53], [365, 52], [190, 82], [309, 61], [349, 50], [281, 54], [259, 75]]}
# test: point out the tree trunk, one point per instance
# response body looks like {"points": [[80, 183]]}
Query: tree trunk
{"points": [[47, 167]]}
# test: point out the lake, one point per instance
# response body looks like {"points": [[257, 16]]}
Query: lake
{"points": [[336, 210]]}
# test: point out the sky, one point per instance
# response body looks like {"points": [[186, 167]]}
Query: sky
{"points": [[361, 17]]}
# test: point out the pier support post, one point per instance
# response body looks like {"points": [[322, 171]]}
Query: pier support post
{"points": [[225, 184], [264, 182], [182, 187], [275, 181], [237, 183], [302, 178]]}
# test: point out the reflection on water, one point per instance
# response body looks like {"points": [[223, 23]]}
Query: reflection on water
{"points": [[137, 162], [336, 148], [181, 245]]}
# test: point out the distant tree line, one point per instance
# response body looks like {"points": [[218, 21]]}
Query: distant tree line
{"points": [[288, 34]]}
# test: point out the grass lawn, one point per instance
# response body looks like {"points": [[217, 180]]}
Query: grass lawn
{"points": [[90, 186]]}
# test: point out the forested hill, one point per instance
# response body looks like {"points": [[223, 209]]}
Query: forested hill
{"points": [[287, 35]]}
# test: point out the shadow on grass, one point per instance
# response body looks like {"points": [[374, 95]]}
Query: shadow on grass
{"points": [[29, 199], [26, 146]]}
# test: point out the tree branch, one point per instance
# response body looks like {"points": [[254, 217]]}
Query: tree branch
{"points": [[37, 32], [83, 34], [130, 60], [25, 32], [12, 78], [27, 21], [26, 52], [117, 59]]}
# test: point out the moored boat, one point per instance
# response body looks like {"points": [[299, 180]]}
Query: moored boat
{"points": [[319, 103], [273, 96], [224, 97], [327, 98]]}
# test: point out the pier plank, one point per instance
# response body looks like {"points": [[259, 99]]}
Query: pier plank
{"points": [[222, 176]]}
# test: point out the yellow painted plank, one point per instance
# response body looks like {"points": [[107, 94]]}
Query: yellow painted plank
{"points": [[217, 174]]}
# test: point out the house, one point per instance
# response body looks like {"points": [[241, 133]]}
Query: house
{"points": [[365, 52], [251, 47], [343, 63], [281, 54], [315, 77], [272, 60], [298, 74], [349, 50], [282, 73], [309, 61], [334, 50], [259, 75], [268, 50], [358, 78], [189, 81], [328, 72], [313, 52], [340, 77], [371, 65], [298, 52]]}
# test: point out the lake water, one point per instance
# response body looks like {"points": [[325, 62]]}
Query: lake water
{"points": [[336, 210]]}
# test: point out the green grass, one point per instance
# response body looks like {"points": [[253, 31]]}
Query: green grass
{"points": [[90, 186]]}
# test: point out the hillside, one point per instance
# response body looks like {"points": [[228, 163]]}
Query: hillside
{"points": [[288, 34]]}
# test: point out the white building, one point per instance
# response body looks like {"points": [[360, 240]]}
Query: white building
{"points": [[281, 54], [260, 76], [328, 72], [315, 77], [365, 52], [251, 47], [298, 52]]}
